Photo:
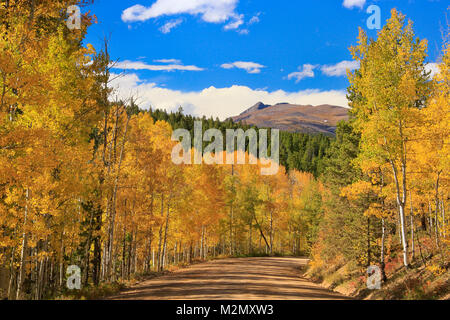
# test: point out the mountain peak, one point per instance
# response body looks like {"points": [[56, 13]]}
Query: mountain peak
{"points": [[294, 118], [256, 107]]}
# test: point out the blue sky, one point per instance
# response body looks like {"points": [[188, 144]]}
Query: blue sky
{"points": [[219, 57]]}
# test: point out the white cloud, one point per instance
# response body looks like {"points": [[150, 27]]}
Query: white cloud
{"points": [[166, 28], [340, 69], [138, 65], [434, 68], [218, 102], [354, 3], [237, 21], [174, 61], [307, 71], [254, 19], [250, 67], [217, 11]]}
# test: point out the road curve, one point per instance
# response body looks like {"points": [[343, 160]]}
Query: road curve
{"points": [[233, 279]]}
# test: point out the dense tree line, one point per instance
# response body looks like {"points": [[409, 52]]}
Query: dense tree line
{"points": [[298, 151]]}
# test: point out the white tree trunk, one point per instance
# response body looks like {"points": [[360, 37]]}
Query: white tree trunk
{"points": [[401, 197]]}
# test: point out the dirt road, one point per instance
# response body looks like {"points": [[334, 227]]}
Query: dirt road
{"points": [[233, 279]]}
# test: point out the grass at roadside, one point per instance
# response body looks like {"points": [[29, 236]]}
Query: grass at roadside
{"points": [[431, 282]]}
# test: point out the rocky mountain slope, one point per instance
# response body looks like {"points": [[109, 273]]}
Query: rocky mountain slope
{"points": [[294, 118]]}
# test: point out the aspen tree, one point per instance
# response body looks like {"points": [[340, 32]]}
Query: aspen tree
{"points": [[392, 86]]}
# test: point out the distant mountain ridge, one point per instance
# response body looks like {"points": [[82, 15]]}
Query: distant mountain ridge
{"points": [[256, 107], [294, 118]]}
